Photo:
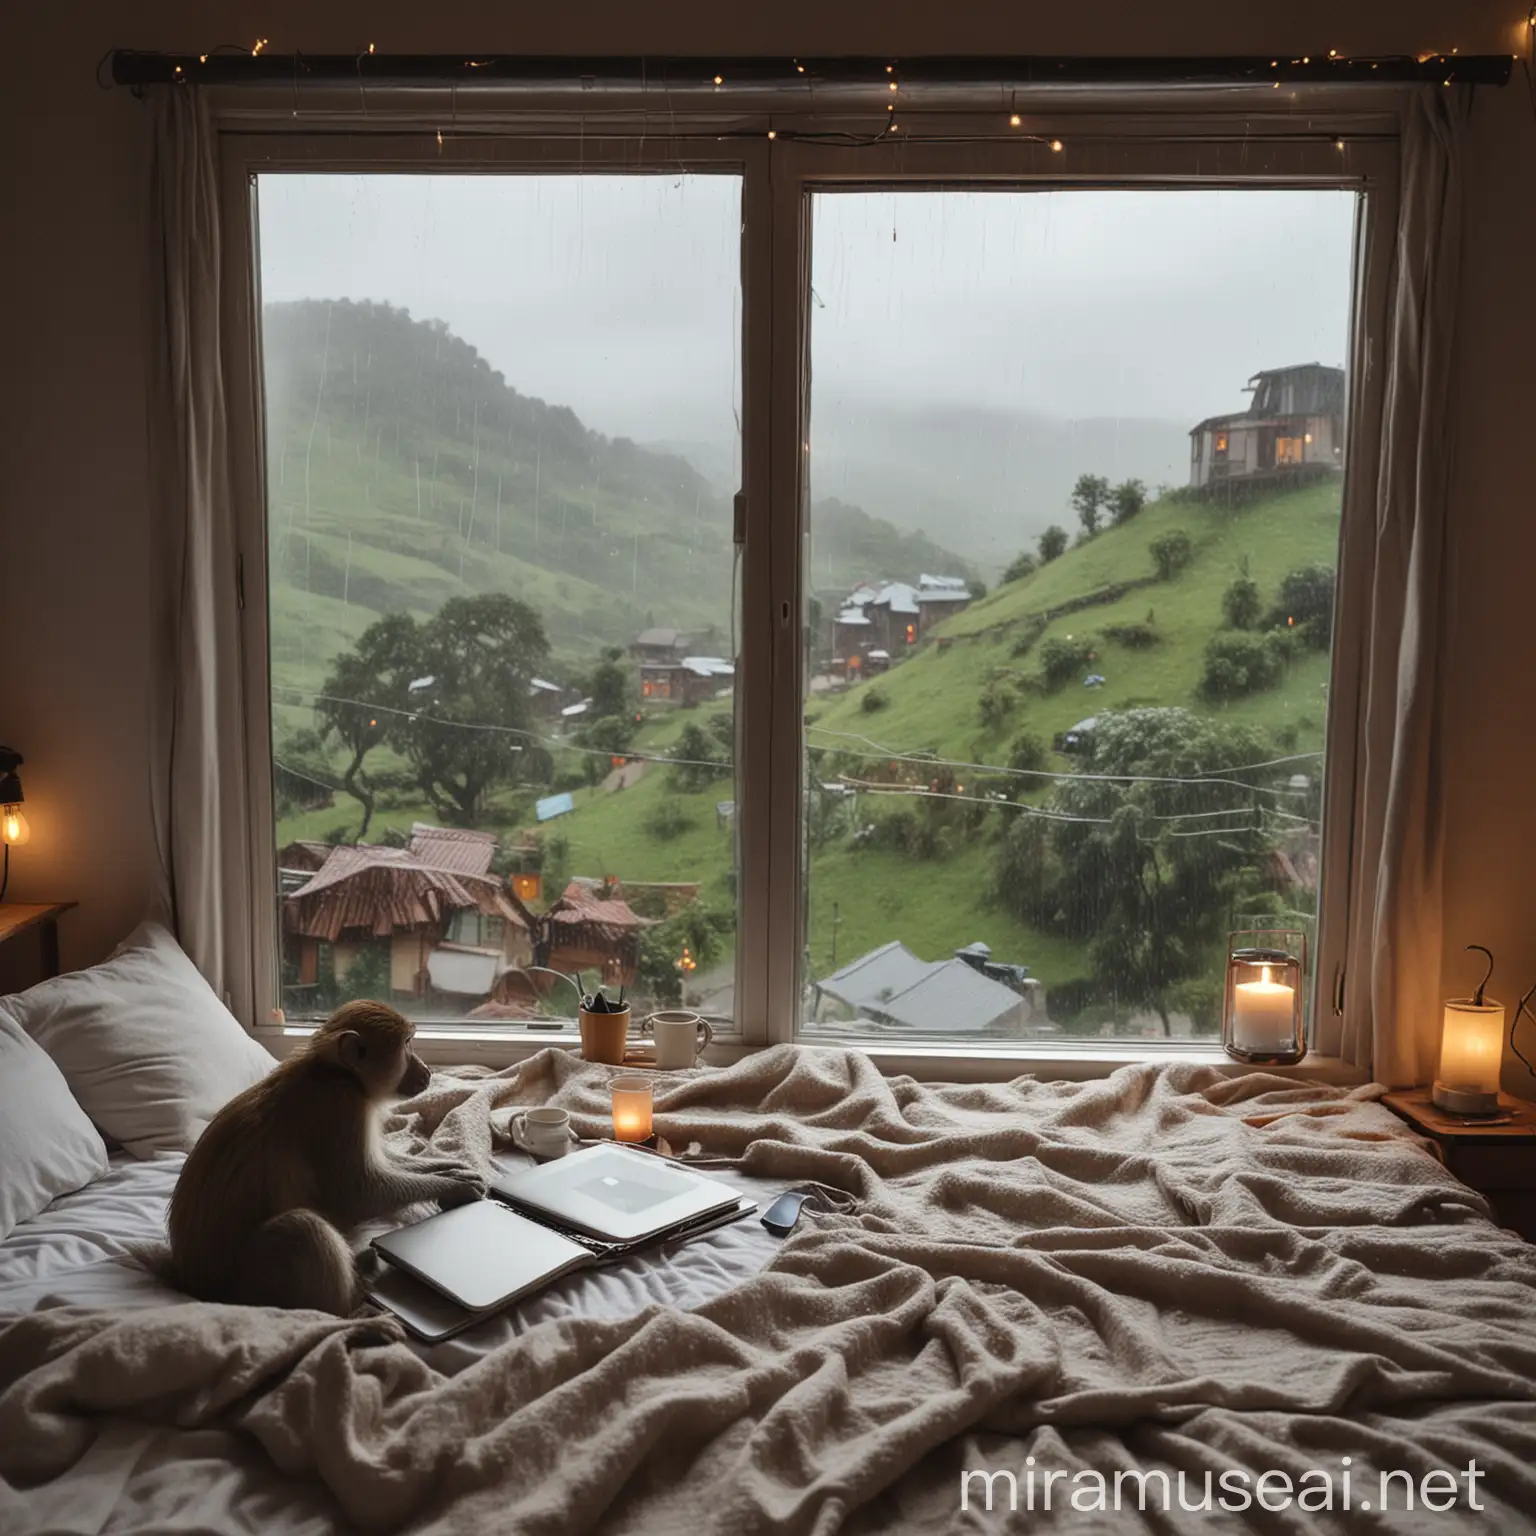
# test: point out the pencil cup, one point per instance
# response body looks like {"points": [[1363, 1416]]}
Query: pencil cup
{"points": [[603, 1036]]}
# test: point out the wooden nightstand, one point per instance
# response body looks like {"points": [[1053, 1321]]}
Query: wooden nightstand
{"points": [[1497, 1160], [40, 922]]}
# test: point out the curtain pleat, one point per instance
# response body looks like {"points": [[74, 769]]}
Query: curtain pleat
{"points": [[200, 812], [1390, 1024]]}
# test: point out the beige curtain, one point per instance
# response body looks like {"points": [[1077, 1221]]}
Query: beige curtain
{"points": [[1390, 1022], [200, 812]]}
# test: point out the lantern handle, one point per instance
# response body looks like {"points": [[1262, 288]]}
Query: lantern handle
{"points": [[1482, 986]]}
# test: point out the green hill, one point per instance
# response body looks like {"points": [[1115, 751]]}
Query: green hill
{"points": [[403, 470]]}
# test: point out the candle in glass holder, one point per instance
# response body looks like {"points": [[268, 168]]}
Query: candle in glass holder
{"points": [[1263, 1015], [631, 1108]]}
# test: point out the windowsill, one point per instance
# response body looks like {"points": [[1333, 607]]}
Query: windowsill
{"points": [[988, 1062]]}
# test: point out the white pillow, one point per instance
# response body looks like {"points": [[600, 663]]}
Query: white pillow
{"points": [[47, 1145], [148, 1050]]}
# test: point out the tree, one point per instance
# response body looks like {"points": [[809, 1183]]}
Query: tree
{"points": [[1126, 500], [609, 686], [1171, 553], [1026, 760], [1053, 543], [698, 759], [472, 718], [1240, 603], [366, 696], [1088, 498], [1022, 565], [1120, 870], [977, 588]]}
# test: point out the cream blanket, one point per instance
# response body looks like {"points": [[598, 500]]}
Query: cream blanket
{"points": [[1162, 1272]]}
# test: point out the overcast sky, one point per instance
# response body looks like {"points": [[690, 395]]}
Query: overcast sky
{"points": [[619, 296]]}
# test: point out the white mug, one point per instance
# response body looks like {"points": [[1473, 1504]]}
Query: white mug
{"points": [[543, 1132], [677, 1033]]}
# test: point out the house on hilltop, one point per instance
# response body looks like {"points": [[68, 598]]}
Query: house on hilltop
{"points": [[1293, 429]]}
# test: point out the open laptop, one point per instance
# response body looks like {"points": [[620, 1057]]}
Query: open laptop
{"points": [[447, 1272], [614, 1195]]}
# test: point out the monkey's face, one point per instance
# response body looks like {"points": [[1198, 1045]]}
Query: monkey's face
{"points": [[373, 1042]]}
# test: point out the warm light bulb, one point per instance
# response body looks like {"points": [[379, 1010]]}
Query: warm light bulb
{"points": [[891, 86], [13, 825], [1056, 145], [1015, 120], [719, 80]]}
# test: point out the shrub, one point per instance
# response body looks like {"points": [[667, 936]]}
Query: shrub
{"points": [[1171, 553], [873, 699], [1062, 660], [1027, 756], [1240, 604], [977, 588], [1022, 565], [1135, 637], [1053, 543], [1305, 606], [998, 698], [1239, 664], [1029, 632], [667, 820]]}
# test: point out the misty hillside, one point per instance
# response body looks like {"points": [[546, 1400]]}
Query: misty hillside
{"points": [[403, 470], [982, 482], [988, 481]]}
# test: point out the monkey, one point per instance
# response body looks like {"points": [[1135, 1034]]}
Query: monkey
{"points": [[286, 1169]]}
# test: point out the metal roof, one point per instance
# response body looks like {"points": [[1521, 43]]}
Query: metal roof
{"points": [[669, 638], [935, 996], [708, 666], [852, 616], [953, 583]]}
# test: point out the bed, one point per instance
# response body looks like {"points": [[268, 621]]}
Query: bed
{"points": [[1166, 1272]]}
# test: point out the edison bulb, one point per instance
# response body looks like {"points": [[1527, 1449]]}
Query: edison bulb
{"points": [[13, 825]]}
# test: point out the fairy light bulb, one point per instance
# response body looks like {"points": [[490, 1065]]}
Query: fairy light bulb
{"points": [[1056, 146], [1015, 120], [719, 80], [13, 826]]}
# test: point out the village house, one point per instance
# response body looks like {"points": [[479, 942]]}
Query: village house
{"points": [[1292, 429], [876, 623], [446, 922]]}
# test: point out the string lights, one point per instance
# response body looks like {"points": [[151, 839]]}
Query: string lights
{"points": [[261, 43]]}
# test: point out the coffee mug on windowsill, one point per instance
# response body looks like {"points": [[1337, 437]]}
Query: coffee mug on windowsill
{"points": [[680, 1035]]}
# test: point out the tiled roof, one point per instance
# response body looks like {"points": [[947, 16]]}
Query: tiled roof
{"points": [[454, 848]]}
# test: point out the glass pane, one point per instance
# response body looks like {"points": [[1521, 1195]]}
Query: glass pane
{"points": [[502, 441], [1075, 475]]}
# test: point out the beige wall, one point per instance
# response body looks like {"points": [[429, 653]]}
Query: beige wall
{"points": [[74, 560]]}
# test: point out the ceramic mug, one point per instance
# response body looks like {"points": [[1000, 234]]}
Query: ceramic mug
{"points": [[543, 1132], [604, 1035], [680, 1035]]}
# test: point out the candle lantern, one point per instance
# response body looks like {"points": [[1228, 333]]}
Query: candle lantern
{"points": [[1261, 1015], [631, 1108]]}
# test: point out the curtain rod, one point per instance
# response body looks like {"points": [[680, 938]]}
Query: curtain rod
{"points": [[705, 76]]}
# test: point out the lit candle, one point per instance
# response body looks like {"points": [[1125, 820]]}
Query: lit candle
{"points": [[1263, 1016], [631, 1108]]}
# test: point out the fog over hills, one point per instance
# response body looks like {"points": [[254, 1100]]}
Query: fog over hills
{"points": [[982, 482]]}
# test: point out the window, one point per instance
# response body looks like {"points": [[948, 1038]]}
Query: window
{"points": [[1065, 454], [501, 448], [1095, 742]]}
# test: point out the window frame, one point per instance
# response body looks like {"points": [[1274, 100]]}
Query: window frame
{"points": [[1189, 146]]}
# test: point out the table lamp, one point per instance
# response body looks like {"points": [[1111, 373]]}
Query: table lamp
{"points": [[13, 823], [1471, 1052]]}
